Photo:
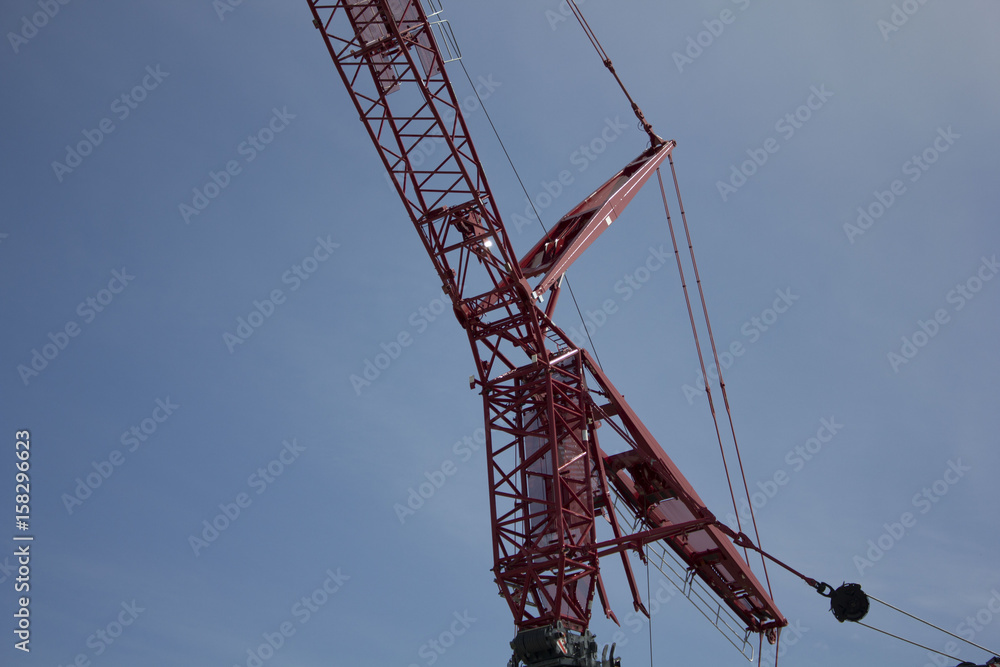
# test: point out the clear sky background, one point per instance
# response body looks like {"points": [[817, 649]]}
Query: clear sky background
{"points": [[170, 287]]}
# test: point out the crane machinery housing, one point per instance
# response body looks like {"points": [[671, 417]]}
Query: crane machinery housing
{"points": [[544, 397]]}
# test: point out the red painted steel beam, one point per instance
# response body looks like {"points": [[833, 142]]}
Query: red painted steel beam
{"points": [[565, 242]]}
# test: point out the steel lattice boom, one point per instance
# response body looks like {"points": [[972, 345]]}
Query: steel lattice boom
{"points": [[544, 398]]}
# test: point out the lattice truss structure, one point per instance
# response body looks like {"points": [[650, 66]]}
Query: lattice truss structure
{"points": [[544, 397]]}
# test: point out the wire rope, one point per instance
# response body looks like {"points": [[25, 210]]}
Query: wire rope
{"points": [[538, 217]]}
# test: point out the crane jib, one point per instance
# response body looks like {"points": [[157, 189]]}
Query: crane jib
{"points": [[544, 398]]}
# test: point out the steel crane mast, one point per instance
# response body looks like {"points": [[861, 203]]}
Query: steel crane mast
{"points": [[544, 397]]}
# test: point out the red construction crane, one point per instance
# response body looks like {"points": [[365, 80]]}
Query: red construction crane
{"points": [[544, 398]]}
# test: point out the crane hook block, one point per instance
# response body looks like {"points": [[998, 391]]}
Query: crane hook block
{"points": [[849, 603]]}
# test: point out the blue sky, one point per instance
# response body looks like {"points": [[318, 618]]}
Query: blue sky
{"points": [[316, 466]]}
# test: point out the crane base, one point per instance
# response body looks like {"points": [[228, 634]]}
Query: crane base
{"points": [[555, 646]]}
